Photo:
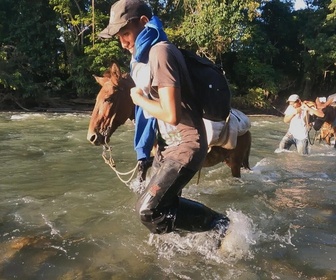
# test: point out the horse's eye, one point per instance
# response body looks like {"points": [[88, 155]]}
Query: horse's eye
{"points": [[113, 95], [109, 99]]}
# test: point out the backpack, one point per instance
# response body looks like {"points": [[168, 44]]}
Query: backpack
{"points": [[209, 85]]}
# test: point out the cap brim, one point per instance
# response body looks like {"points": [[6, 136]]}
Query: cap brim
{"points": [[111, 30], [105, 34]]}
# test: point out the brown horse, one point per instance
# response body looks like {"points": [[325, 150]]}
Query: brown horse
{"points": [[327, 124], [114, 106]]}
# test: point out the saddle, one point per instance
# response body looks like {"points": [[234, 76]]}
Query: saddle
{"points": [[224, 133]]}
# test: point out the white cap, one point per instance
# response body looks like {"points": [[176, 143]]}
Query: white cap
{"points": [[322, 99], [293, 98]]}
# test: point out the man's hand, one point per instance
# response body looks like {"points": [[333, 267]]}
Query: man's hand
{"points": [[136, 94], [304, 107], [299, 110], [143, 166]]}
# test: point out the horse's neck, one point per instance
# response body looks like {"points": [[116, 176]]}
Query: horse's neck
{"points": [[126, 105], [132, 116]]}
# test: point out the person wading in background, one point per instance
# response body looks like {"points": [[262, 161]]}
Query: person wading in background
{"points": [[296, 115]]}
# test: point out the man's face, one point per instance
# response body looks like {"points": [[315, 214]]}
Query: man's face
{"points": [[295, 104], [128, 34]]}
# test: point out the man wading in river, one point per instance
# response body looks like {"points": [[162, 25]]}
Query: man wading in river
{"points": [[296, 115], [167, 98]]}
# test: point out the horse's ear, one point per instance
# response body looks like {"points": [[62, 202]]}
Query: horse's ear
{"points": [[99, 80], [115, 72]]}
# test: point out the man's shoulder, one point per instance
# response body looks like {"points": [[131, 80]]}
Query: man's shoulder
{"points": [[165, 47]]}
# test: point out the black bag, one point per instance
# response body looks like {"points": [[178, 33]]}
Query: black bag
{"points": [[210, 86]]}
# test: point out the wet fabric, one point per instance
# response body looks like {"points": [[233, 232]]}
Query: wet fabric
{"points": [[161, 207]]}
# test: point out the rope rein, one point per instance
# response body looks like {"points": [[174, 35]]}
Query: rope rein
{"points": [[312, 142], [107, 156]]}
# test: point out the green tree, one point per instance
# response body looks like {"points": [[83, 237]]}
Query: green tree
{"points": [[80, 22], [318, 37], [266, 48], [31, 48], [213, 27]]}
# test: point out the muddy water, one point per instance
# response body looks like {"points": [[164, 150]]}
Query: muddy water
{"points": [[64, 214]]}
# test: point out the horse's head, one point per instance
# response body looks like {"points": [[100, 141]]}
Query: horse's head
{"points": [[329, 113], [329, 117], [113, 105]]}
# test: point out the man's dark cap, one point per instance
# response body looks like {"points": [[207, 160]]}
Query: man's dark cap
{"points": [[121, 13]]}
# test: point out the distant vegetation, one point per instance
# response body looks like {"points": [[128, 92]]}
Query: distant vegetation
{"points": [[50, 49]]}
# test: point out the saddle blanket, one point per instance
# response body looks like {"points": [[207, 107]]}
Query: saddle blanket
{"points": [[224, 134]]}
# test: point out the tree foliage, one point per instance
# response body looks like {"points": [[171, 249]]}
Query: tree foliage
{"points": [[30, 48], [51, 48], [214, 27]]}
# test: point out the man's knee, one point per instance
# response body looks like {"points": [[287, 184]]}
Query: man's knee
{"points": [[157, 220], [142, 207], [302, 147], [285, 143]]}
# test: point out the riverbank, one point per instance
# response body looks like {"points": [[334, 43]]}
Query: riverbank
{"points": [[85, 105], [54, 105]]}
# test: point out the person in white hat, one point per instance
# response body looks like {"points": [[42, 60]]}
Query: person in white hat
{"points": [[297, 115], [167, 97]]}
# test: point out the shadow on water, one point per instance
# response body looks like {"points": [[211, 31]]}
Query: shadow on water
{"points": [[65, 215]]}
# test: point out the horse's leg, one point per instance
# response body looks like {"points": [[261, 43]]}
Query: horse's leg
{"points": [[234, 162], [239, 157], [235, 168], [247, 140]]}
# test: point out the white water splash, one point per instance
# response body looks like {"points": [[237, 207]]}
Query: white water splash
{"points": [[240, 236], [137, 186], [25, 116], [53, 231], [233, 247]]}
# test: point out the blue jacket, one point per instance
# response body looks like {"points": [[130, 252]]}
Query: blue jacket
{"points": [[145, 129], [145, 134]]}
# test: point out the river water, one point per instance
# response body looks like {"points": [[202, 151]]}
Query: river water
{"points": [[64, 214]]}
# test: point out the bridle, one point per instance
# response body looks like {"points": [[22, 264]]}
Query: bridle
{"points": [[107, 156], [108, 159]]}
